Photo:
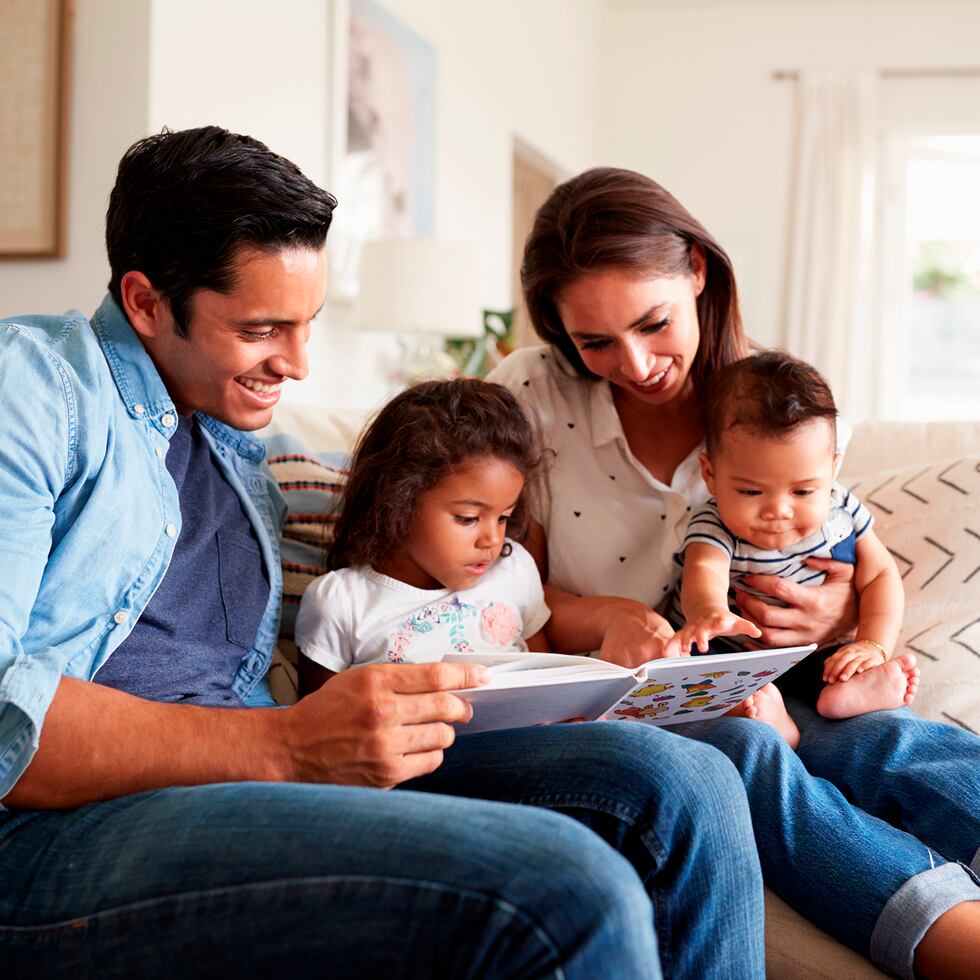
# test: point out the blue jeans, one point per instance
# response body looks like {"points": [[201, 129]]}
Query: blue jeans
{"points": [[680, 816], [870, 829], [254, 879]]}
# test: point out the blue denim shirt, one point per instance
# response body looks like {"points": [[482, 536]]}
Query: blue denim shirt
{"points": [[89, 515]]}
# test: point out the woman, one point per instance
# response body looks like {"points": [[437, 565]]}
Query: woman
{"points": [[638, 308]]}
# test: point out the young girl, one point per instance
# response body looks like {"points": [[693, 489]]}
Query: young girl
{"points": [[426, 560], [770, 462]]}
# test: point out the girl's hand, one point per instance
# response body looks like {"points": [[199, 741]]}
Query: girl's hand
{"points": [[812, 614], [854, 658], [702, 630], [636, 635]]}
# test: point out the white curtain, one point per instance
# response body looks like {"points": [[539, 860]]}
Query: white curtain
{"points": [[829, 263]]}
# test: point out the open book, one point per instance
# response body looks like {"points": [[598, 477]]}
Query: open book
{"points": [[536, 688]]}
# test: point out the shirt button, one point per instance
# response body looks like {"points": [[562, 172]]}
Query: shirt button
{"points": [[168, 420], [171, 530], [121, 617], [159, 452], [139, 409]]}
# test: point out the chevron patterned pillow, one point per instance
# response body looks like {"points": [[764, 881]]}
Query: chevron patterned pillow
{"points": [[929, 519]]}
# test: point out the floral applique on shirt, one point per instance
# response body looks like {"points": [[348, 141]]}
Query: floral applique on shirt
{"points": [[451, 612], [499, 626]]}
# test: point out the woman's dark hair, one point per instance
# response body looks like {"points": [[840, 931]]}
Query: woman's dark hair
{"points": [[184, 203], [418, 438], [608, 218], [770, 393]]}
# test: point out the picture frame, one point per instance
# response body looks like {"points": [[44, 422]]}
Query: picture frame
{"points": [[380, 135], [34, 76]]}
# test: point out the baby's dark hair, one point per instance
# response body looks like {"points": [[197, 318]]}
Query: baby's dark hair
{"points": [[770, 393], [418, 438]]}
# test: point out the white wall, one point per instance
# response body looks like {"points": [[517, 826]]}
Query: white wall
{"points": [[107, 112], [689, 99], [249, 65], [504, 69]]}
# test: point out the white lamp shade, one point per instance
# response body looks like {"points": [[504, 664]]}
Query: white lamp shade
{"points": [[419, 285]]}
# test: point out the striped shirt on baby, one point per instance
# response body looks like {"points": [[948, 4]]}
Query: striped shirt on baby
{"points": [[847, 521]]}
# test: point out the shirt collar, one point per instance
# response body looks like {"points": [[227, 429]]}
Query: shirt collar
{"points": [[142, 389], [140, 385], [604, 420]]}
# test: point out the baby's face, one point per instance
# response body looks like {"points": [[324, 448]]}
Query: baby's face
{"points": [[773, 492]]}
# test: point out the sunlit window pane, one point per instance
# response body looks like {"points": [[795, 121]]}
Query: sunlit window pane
{"points": [[941, 311]]}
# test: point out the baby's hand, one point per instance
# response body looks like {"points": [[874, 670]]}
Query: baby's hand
{"points": [[701, 631], [850, 659]]}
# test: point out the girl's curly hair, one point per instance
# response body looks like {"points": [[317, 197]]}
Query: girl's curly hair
{"points": [[419, 437]]}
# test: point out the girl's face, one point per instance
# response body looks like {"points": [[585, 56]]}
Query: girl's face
{"points": [[639, 332], [459, 527]]}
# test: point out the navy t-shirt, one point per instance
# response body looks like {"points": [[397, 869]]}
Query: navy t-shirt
{"points": [[189, 642]]}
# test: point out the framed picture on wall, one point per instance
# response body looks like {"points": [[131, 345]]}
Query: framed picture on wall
{"points": [[33, 117], [384, 156]]}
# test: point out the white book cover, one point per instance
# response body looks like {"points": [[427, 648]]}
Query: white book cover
{"points": [[541, 688]]}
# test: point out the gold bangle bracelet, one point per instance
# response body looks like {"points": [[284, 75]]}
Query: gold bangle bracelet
{"points": [[876, 645]]}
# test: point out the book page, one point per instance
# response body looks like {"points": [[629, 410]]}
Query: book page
{"points": [[698, 688]]}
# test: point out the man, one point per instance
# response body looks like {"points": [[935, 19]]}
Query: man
{"points": [[153, 825]]}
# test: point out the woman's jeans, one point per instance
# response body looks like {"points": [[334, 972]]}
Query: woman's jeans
{"points": [[255, 879], [871, 829]]}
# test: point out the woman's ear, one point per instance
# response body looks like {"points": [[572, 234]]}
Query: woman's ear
{"points": [[707, 473], [699, 267]]}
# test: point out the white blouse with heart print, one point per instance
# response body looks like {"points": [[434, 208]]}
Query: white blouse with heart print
{"points": [[612, 527]]}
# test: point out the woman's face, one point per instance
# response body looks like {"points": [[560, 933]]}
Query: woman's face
{"points": [[638, 331]]}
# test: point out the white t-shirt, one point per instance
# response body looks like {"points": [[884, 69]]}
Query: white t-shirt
{"points": [[357, 616], [612, 527]]}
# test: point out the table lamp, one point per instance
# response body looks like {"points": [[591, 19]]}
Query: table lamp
{"points": [[425, 291]]}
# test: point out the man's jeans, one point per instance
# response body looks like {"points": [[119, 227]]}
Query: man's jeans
{"points": [[870, 829], [255, 879]]}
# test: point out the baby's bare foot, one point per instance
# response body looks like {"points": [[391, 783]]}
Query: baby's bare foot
{"points": [[889, 685], [767, 705]]}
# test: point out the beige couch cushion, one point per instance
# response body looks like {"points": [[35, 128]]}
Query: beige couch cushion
{"points": [[928, 516]]}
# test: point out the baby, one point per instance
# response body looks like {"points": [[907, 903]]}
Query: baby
{"points": [[770, 461]]}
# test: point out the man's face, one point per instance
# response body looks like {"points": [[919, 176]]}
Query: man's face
{"points": [[241, 346]]}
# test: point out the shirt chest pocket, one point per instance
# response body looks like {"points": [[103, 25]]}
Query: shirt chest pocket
{"points": [[244, 589]]}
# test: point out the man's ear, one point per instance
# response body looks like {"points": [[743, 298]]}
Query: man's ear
{"points": [[707, 473], [143, 305]]}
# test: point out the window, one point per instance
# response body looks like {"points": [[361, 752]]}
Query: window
{"points": [[930, 279]]}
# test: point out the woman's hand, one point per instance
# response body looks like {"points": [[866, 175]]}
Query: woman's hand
{"points": [[635, 635], [704, 629], [812, 614]]}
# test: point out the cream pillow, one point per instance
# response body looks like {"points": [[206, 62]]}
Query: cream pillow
{"points": [[928, 516]]}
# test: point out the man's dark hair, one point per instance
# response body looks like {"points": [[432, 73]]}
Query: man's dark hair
{"points": [[418, 438], [185, 202], [770, 393]]}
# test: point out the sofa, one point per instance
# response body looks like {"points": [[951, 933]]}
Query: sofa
{"points": [[920, 480]]}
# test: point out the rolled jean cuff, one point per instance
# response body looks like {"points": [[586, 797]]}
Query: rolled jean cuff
{"points": [[975, 863], [910, 912]]}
